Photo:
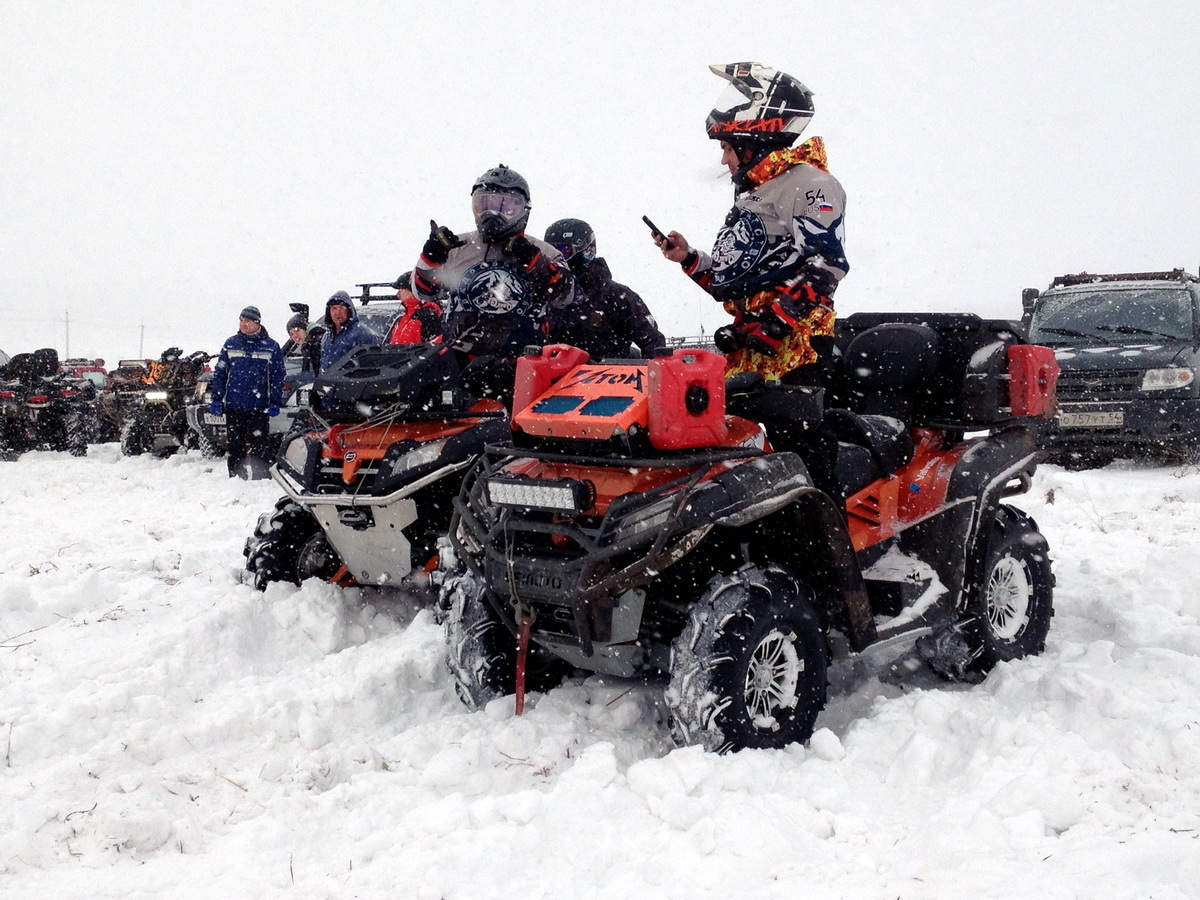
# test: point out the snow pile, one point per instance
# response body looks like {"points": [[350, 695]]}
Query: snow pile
{"points": [[166, 730]]}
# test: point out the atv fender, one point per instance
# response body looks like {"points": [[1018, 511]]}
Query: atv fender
{"points": [[955, 540], [998, 466], [808, 538]]}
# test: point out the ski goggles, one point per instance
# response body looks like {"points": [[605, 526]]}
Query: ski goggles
{"points": [[507, 206], [570, 251]]}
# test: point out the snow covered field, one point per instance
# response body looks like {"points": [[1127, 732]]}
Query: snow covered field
{"points": [[168, 731]]}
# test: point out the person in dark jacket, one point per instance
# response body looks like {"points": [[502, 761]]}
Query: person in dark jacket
{"points": [[343, 330], [247, 388], [606, 318]]}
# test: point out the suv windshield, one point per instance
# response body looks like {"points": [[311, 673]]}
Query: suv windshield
{"points": [[380, 315], [1110, 314]]}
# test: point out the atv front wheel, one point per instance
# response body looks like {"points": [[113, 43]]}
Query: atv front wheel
{"points": [[135, 437], [289, 545], [748, 670], [1014, 599], [78, 430], [208, 449], [482, 652]]}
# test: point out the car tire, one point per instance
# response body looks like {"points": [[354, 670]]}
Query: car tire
{"points": [[78, 430], [749, 668]]}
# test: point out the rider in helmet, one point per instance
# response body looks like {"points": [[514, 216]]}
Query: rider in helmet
{"points": [[606, 318], [778, 258], [495, 283]]}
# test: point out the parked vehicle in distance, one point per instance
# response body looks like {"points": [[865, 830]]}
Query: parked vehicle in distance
{"points": [[91, 369], [1128, 347], [157, 422], [42, 407], [378, 306], [126, 384]]}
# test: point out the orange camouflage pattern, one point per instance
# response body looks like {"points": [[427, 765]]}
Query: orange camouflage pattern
{"points": [[811, 152], [796, 349]]}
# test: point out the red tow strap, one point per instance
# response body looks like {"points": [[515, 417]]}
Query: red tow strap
{"points": [[522, 655]]}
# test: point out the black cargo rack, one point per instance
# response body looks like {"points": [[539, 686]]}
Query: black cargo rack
{"points": [[365, 296], [1088, 278]]}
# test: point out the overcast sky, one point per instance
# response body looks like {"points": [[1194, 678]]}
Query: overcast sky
{"points": [[163, 164]]}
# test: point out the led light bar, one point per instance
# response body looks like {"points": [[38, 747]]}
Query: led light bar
{"points": [[563, 495]]}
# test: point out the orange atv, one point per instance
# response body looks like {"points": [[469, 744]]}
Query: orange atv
{"points": [[642, 523]]}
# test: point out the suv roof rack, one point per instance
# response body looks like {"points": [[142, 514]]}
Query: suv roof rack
{"points": [[366, 296], [1088, 278]]}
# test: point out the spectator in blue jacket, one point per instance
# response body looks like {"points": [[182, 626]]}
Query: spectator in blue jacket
{"points": [[343, 330], [247, 388]]}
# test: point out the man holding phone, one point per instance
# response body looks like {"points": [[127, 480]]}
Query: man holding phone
{"points": [[778, 258]]}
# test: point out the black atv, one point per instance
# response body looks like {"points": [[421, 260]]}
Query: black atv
{"points": [[369, 489], [42, 408], [156, 419], [642, 523]]}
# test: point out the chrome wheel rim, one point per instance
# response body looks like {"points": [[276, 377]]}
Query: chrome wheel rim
{"points": [[773, 676], [1009, 596]]}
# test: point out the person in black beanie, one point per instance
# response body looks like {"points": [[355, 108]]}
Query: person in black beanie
{"points": [[247, 388], [304, 341]]}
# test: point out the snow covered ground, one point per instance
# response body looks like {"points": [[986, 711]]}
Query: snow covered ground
{"points": [[168, 731]]}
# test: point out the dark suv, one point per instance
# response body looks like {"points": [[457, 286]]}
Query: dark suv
{"points": [[1128, 347]]}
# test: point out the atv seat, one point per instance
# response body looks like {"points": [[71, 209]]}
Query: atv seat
{"points": [[868, 447], [883, 369]]}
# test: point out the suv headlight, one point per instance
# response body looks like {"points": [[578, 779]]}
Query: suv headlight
{"points": [[1166, 379]]}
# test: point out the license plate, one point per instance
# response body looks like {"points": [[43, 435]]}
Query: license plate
{"points": [[210, 419], [1091, 419]]}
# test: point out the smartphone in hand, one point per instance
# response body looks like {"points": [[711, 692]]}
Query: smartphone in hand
{"points": [[654, 229]]}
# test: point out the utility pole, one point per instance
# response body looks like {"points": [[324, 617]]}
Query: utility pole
{"points": [[141, 342], [67, 320]]}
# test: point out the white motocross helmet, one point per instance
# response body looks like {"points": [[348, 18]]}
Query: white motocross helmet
{"points": [[761, 105]]}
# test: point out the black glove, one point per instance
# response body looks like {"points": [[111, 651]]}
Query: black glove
{"points": [[441, 241], [728, 338], [765, 334], [524, 251]]}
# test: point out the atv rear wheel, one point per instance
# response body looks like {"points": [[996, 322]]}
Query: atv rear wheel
{"points": [[289, 545], [482, 652], [1014, 598], [748, 670]]}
